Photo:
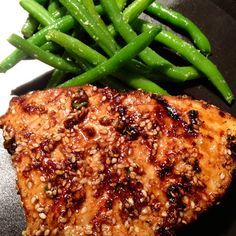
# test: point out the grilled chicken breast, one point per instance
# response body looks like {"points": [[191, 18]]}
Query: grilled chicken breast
{"points": [[93, 161]]}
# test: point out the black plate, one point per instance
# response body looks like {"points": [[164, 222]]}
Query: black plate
{"points": [[217, 20]]}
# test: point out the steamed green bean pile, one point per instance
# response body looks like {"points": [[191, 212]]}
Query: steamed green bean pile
{"points": [[106, 42]]}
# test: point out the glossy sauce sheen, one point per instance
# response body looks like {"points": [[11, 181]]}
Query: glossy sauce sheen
{"points": [[93, 161]]}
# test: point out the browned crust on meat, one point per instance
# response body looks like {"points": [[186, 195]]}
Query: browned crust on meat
{"points": [[93, 161]]}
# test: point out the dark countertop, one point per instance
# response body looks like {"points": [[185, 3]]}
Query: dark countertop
{"points": [[227, 5]]}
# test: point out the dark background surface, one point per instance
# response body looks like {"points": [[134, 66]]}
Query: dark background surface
{"points": [[217, 19]]}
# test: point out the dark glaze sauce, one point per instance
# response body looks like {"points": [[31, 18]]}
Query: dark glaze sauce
{"points": [[166, 110]]}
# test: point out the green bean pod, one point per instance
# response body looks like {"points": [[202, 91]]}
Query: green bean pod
{"points": [[50, 47], [55, 9], [44, 56], [90, 7], [76, 46], [30, 26], [56, 78], [149, 56], [178, 20], [133, 80], [195, 57], [111, 65], [37, 11], [80, 13], [135, 8], [64, 24]]}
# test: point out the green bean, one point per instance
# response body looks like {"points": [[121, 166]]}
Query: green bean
{"points": [[58, 75], [133, 10], [42, 2], [121, 4], [98, 31], [37, 11], [137, 81], [178, 20], [90, 7], [133, 79], [64, 24], [30, 26], [81, 50], [56, 78], [76, 46], [79, 12], [115, 62], [191, 54], [174, 73], [38, 53], [50, 47], [55, 9], [149, 56]]}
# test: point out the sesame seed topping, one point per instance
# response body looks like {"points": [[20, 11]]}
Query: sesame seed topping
{"points": [[46, 232], [222, 176], [29, 184], [43, 216], [42, 179]]}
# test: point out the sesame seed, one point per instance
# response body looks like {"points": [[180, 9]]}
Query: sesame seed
{"points": [[222, 176], [29, 184], [59, 172], [93, 117], [54, 231], [114, 160], [35, 145], [184, 222], [23, 233], [46, 232], [164, 214], [144, 193], [88, 229], [113, 221], [57, 138], [103, 131], [42, 179], [131, 201], [73, 159], [136, 229], [229, 152], [84, 210], [38, 233], [83, 181], [198, 209], [40, 209], [145, 210], [192, 204], [43, 216], [62, 220]]}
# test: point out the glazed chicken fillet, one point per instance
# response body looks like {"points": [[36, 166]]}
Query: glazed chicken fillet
{"points": [[94, 161]]}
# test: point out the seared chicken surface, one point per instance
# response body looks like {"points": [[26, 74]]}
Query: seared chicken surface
{"points": [[94, 161]]}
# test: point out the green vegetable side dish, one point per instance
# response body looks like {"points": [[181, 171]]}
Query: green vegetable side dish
{"points": [[178, 20], [111, 65], [108, 44]]}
